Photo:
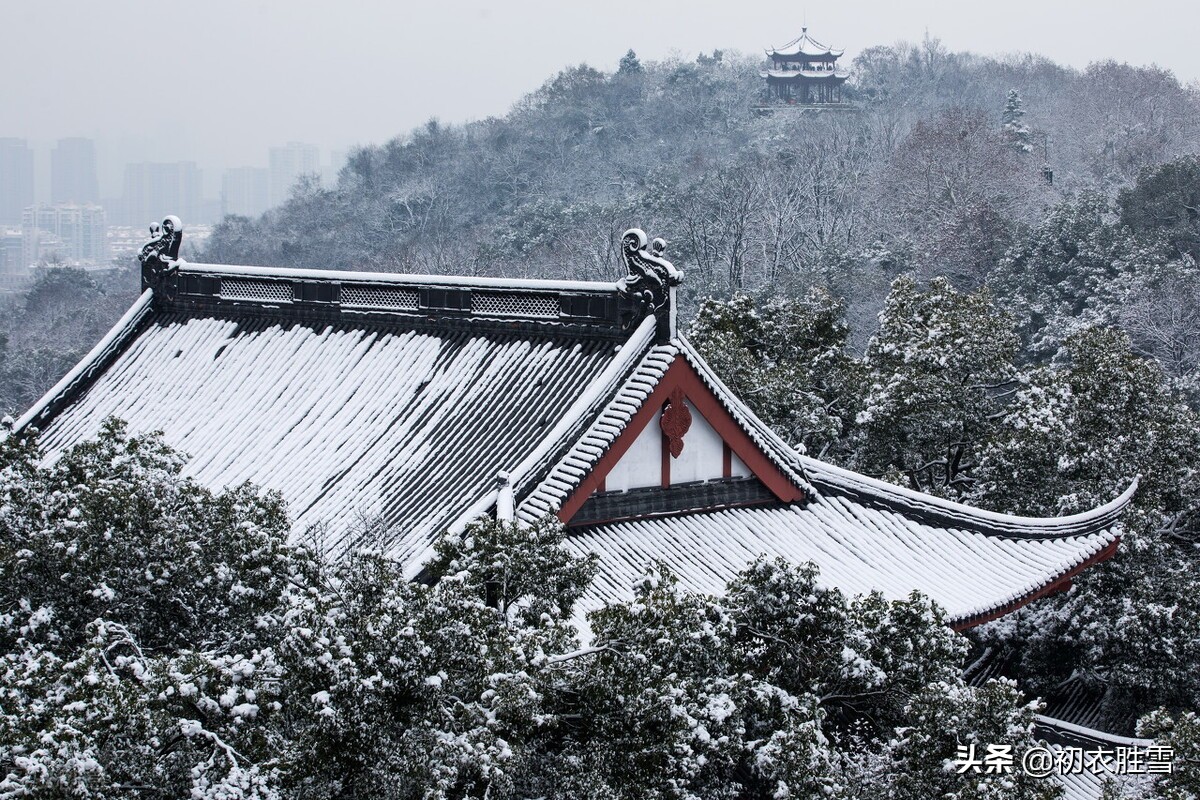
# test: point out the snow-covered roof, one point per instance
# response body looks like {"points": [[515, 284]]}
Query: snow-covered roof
{"points": [[372, 403], [805, 74], [858, 549], [1088, 782], [399, 400], [803, 46], [864, 534]]}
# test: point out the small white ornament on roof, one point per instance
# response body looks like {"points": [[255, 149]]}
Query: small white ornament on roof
{"points": [[504, 497]]}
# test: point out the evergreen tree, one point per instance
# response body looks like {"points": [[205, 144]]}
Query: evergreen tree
{"points": [[787, 359], [1071, 439], [930, 375], [160, 639], [1071, 273], [629, 64], [1166, 200], [1015, 131], [1181, 733], [140, 616]]}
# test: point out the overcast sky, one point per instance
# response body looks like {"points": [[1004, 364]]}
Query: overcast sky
{"points": [[219, 81]]}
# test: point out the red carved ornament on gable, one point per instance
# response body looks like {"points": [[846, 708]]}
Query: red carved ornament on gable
{"points": [[675, 421]]}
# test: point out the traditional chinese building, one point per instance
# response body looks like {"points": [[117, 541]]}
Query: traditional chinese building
{"points": [[423, 402], [805, 72]]}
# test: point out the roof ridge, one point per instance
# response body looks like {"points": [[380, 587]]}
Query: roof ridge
{"points": [[563, 476], [355, 276], [821, 49], [764, 436], [1090, 733], [633, 350]]}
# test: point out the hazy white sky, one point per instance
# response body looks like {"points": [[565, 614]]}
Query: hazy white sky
{"points": [[219, 81]]}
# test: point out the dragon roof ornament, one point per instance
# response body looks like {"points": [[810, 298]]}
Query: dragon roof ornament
{"points": [[651, 280], [162, 251]]}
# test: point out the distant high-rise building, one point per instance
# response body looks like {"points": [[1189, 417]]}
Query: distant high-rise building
{"points": [[77, 233], [73, 172], [245, 191], [154, 190], [16, 180], [14, 273], [288, 163]]}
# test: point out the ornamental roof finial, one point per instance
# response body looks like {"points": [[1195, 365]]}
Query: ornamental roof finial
{"points": [[651, 280], [160, 253]]}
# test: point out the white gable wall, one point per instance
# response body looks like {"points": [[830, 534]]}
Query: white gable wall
{"points": [[703, 452], [702, 457], [740, 470], [642, 463]]}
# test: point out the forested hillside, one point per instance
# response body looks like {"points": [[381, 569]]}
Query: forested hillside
{"points": [[940, 171]]}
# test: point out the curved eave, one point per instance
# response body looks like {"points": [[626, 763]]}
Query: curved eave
{"points": [[800, 76], [792, 52], [1055, 584], [815, 477], [91, 364], [857, 550], [870, 491], [1091, 736]]}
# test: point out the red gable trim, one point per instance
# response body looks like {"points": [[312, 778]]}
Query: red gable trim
{"points": [[680, 375], [1058, 584]]}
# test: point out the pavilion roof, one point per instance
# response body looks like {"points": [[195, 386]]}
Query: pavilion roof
{"points": [[803, 46]]}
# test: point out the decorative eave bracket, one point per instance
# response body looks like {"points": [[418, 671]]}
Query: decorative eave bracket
{"points": [[651, 280]]}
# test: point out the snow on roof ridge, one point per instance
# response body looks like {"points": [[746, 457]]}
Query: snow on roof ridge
{"points": [[115, 336], [565, 475], [1093, 733], [1097, 541], [840, 477], [399, 277], [812, 468], [798, 43], [632, 349], [805, 73]]}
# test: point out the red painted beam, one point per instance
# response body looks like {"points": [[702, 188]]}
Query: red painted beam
{"points": [[1057, 584]]}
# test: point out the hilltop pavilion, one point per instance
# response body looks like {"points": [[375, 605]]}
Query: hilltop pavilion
{"points": [[805, 72]]}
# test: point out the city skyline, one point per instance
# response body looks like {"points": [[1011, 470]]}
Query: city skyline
{"points": [[35, 162]]}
